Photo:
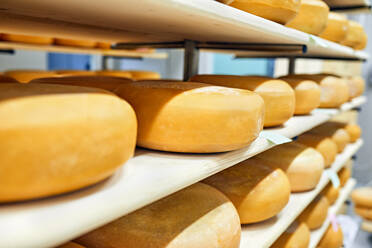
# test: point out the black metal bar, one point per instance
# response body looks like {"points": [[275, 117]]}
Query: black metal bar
{"points": [[8, 51], [300, 57], [191, 60], [352, 7], [291, 66], [104, 65]]}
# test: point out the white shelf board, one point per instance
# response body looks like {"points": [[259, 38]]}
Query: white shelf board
{"points": [[155, 21], [264, 234], [356, 102], [317, 235]]}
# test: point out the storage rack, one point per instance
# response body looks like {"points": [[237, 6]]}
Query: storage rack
{"points": [[151, 175]]}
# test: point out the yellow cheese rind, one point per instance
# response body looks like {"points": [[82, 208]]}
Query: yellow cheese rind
{"points": [[332, 238], [27, 39], [279, 97], [312, 17], [356, 37], [296, 236], [303, 165], [193, 117], [198, 216], [75, 72], [336, 29], [331, 193], [57, 138], [71, 245], [104, 45], [354, 131], [364, 212], [316, 213], [114, 73], [6, 79], [143, 75], [275, 10], [334, 130], [362, 197], [25, 76], [344, 175], [75, 43], [258, 191], [357, 86]]}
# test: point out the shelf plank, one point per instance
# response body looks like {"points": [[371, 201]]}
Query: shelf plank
{"points": [[264, 234], [156, 21], [317, 235], [354, 103]]}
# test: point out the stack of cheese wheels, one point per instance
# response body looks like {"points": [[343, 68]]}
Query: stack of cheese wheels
{"points": [[307, 94], [331, 193], [63, 125], [312, 17], [356, 37], [25, 76], [279, 11], [333, 238], [142, 75], [334, 130], [326, 146], [193, 117], [362, 198], [296, 236], [356, 86], [354, 131], [197, 216], [279, 97], [302, 164], [334, 90], [27, 39], [103, 45], [6, 79], [71, 245], [258, 191], [101, 82], [75, 72], [337, 27], [344, 174], [75, 43], [114, 73], [316, 213]]}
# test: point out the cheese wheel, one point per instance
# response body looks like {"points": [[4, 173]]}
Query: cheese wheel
{"points": [[356, 37], [316, 213], [333, 238], [302, 164], [334, 130], [296, 236], [6, 79], [356, 85], [364, 212], [24, 76], [354, 131], [311, 18], [52, 139], [226, 1], [27, 39], [193, 117], [326, 146], [141, 75], [71, 245], [334, 90], [114, 73], [75, 43], [336, 29], [257, 191], [331, 193], [279, 97], [362, 196], [344, 175], [279, 11], [198, 216], [104, 45], [307, 94], [102, 82], [75, 72]]}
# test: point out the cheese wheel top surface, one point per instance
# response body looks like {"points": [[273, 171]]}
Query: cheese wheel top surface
{"points": [[104, 45], [302, 164], [198, 216], [334, 130], [279, 96], [193, 117], [70, 245], [25, 76], [331, 193], [336, 29], [27, 39], [362, 196], [332, 238], [6, 79], [356, 37], [140, 75], [316, 213], [296, 236], [354, 131], [57, 138], [114, 73], [364, 212], [75, 72], [77, 43], [357, 85], [258, 191]]}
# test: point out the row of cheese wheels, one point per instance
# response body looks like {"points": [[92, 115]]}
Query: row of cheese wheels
{"points": [[310, 16], [362, 198]]}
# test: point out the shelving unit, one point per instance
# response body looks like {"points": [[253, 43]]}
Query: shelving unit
{"points": [[317, 235]]}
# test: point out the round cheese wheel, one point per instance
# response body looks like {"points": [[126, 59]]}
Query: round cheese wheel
{"points": [[6, 79], [302, 164], [75, 43], [334, 90], [114, 73], [326, 146], [344, 175], [296, 236], [141, 75], [104, 45], [333, 238], [316, 213], [354, 131], [336, 29], [193, 117], [102, 82], [364, 212], [27, 39], [71, 245], [362, 197], [257, 191], [356, 37], [279, 97], [279, 11], [197, 216], [357, 85], [226, 1], [25, 76], [307, 94], [75, 72], [331, 193], [334, 130], [52, 139], [312, 17]]}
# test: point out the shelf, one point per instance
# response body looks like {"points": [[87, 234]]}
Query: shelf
{"points": [[80, 50], [264, 234], [317, 235], [157, 21], [354, 103]]}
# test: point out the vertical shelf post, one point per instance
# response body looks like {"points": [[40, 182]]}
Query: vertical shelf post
{"points": [[291, 65], [191, 59]]}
